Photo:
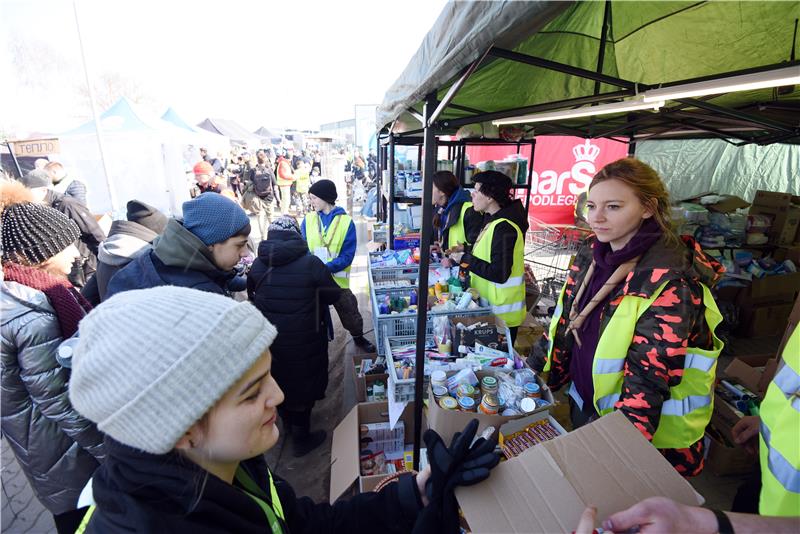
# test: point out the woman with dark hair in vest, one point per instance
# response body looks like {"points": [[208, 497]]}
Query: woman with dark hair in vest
{"points": [[455, 221], [188, 414], [496, 262], [633, 328], [57, 449]]}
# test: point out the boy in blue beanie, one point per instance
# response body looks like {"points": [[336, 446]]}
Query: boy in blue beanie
{"points": [[199, 252]]}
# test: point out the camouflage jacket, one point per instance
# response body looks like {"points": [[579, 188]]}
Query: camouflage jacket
{"points": [[656, 355]]}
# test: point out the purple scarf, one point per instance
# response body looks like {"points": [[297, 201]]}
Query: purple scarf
{"points": [[606, 262]]}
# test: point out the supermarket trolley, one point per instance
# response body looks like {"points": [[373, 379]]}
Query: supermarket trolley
{"points": [[549, 251]]}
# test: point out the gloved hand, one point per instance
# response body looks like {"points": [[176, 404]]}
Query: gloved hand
{"points": [[462, 464]]}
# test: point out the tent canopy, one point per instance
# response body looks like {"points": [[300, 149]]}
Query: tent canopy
{"points": [[172, 116], [231, 129], [527, 57], [122, 117]]}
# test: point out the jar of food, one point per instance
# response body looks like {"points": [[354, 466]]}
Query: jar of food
{"points": [[466, 404], [448, 403]]}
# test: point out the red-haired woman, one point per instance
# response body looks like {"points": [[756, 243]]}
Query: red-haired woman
{"points": [[633, 329]]}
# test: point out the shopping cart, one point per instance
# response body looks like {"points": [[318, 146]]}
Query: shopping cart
{"points": [[549, 251]]}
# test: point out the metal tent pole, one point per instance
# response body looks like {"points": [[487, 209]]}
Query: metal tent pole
{"points": [[379, 177], [426, 229], [390, 200]]}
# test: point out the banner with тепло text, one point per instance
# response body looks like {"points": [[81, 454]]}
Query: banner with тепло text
{"points": [[563, 168]]}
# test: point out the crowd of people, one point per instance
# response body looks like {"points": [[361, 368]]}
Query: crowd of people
{"points": [[156, 360]]}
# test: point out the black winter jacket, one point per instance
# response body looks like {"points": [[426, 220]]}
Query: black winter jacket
{"points": [[145, 493], [505, 237], [91, 234], [126, 241], [293, 290]]}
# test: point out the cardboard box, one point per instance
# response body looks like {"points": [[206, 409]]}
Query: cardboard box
{"points": [[728, 204], [791, 253], [777, 288], [794, 322], [725, 459], [754, 372], [363, 381], [764, 321], [607, 463], [448, 422], [784, 210], [346, 476]]}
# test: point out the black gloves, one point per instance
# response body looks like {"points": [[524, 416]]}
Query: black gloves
{"points": [[462, 464]]}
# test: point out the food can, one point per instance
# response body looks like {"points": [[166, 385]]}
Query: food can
{"points": [[439, 378], [532, 390], [448, 403], [466, 404], [527, 405], [465, 390], [439, 392], [489, 385], [379, 391], [489, 405]]}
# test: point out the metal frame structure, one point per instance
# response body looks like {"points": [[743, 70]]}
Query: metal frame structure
{"points": [[686, 118]]}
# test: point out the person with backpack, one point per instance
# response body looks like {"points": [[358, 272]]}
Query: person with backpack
{"points": [[260, 192]]}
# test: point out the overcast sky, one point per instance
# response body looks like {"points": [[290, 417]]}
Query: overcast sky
{"points": [[272, 63]]}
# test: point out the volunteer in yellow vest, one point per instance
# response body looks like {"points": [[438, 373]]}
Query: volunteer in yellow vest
{"points": [[633, 328], [188, 415], [455, 221], [331, 236], [496, 263]]}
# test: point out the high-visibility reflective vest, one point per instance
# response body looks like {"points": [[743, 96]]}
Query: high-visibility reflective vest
{"points": [[331, 239], [457, 234], [687, 411], [273, 510], [780, 437], [508, 298]]}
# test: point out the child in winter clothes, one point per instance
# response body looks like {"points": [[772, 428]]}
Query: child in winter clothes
{"points": [[57, 449]]}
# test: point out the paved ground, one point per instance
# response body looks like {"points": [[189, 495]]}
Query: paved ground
{"points": [[310, 475]]}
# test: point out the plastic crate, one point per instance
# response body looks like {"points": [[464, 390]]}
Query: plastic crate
{"points": [[402, 390]]}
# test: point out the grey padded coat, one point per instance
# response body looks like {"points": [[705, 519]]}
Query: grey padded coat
{"points": [[57, 449]]}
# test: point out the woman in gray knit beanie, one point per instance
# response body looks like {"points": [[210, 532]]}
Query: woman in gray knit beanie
{"points": [[180, 381]]}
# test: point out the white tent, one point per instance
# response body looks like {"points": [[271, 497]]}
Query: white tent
{"points": [[214, 142], [147, 159]]}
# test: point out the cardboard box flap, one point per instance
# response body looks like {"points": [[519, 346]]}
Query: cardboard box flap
{"points": [[345, 463], [612, 466], [518, 497], [607, 463]]}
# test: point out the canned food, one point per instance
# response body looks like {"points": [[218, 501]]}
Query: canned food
{"points": [[448, 403], [466, 404], [527, 405], [532, 390], [465, 390], [439, 392], [489, 385], [489, 405]]}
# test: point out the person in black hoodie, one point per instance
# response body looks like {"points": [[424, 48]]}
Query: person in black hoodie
{"points": [[126, 241], [188, 413], [496, 262], [293, 289]]}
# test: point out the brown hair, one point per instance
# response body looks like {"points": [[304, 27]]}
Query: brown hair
{"points": [[447, 183], [647, 186]]}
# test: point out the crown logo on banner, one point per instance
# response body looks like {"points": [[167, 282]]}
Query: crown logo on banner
{"points": [[586, 151]]}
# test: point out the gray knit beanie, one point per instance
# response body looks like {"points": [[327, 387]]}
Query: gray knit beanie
{"points": [[150, 363]]}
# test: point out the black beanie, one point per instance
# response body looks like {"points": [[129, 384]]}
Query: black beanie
{"points": [[147, 216], [36, 178], [324, 189], [34, 233], [495, 185]]}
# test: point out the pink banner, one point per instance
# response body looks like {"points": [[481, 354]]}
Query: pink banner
{"points": [[563, 167]]}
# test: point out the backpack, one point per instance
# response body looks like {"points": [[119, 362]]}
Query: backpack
{"points": [[262, 179]]}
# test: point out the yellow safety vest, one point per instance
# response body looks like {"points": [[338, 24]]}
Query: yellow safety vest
{"points": [[272, 510], [687, 411], [780, 437], [457, 234], [507, 299], [331, 238]]}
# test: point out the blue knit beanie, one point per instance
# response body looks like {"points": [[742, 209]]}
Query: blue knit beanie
{"points": [[213, 218]]}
